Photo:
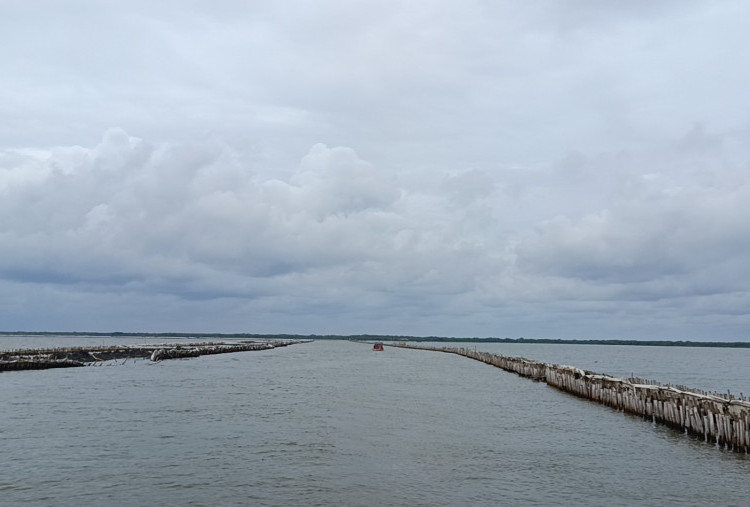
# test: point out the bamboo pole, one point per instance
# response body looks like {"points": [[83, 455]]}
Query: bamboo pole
{"points": [[722, 419], [37, 359]]}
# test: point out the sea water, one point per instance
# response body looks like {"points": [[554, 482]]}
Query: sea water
{"points": [[334, 423]]}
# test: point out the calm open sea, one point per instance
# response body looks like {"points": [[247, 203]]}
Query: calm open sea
{"points": [[334, 423]]}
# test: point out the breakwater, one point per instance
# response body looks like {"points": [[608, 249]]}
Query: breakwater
{"points": [[722, 419], [38, 359]]}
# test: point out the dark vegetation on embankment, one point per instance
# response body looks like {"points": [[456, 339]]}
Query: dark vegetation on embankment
{"points": [[374, 337]]}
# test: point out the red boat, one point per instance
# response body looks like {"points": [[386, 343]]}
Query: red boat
{"points": [[377, 346]]}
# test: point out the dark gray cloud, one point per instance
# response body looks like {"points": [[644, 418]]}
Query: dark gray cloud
{"points": [[483, 168]]}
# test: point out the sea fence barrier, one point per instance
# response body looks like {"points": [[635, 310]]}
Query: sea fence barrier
{"points": [[39, 359], [722, 419]]}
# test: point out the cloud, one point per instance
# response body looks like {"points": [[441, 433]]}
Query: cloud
{"points": [[340, 237], [193, 222], [157, 212], [483, 168]]}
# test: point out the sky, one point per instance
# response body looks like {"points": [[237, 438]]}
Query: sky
{"points": [[538, 169]]}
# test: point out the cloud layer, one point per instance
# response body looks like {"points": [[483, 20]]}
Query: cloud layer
{"points": [[660, 234], [483, 169]]}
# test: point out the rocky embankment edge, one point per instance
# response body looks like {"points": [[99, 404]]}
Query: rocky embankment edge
{"points": [[41, 359]]}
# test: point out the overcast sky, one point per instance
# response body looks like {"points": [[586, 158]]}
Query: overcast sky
{"points": [[541, 168]]}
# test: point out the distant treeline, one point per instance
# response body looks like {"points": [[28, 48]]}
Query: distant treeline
{"points": [[373, 337]]}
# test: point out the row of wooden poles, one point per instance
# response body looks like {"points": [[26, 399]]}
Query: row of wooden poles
{"points": [[38, 359], [718, 418]]}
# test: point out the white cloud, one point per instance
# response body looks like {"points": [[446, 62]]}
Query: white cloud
{"points": [[340, 237], [478, 168]]}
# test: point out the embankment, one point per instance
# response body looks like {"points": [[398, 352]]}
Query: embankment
{"points": [[39, 359]]}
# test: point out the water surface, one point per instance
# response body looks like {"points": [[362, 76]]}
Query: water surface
{"points": [[334, 423]]}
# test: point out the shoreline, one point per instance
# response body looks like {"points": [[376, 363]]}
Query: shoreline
{"points": [[383, 338]]}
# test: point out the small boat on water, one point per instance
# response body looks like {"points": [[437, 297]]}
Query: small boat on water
{"points": [[378, 346]]}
